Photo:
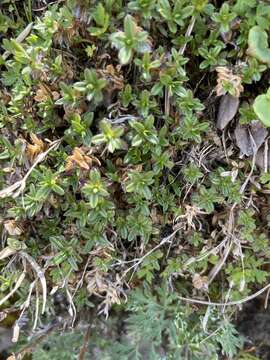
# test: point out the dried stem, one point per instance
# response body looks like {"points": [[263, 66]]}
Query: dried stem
{"points": [[229, 303], [85, 344]]}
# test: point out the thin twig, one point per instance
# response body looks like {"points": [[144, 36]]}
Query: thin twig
{"points": [[216, 269], [229, 303], [187, 34], [266, 155], [140, 260], [85, 344]]}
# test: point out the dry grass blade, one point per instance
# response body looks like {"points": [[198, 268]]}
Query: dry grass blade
{"points": [[220, 263], [16, 287], [138, 261], [40, 275], [14, 190], [6, 252], [20, 38], [229, 303]]}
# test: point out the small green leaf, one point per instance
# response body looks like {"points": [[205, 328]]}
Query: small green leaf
{"points": [[258, 44], [261, 107], [125, 55]]}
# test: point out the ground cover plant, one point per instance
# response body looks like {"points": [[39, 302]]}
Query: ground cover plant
{"points": [[134, 177]]}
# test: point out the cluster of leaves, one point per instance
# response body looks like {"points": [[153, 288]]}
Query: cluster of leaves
{"points": [[125, 91]]}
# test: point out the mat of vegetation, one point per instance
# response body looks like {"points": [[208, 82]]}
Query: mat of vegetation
{"points": [[134, 177]]}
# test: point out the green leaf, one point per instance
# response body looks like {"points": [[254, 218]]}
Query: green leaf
{"points": [[258, 44], [125, 55], [129, 27], [261, 107], [58, 190]]}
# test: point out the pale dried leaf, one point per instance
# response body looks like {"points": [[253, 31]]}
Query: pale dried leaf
{"points": [[3, 315], [6, 252], [227, 109], [199, 282], [11, 357], [16, 333], [12, 228]]}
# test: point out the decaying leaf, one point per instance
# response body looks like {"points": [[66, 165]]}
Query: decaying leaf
{"points": [[262, 159], [6, 252], [225, 76], [12, 228], [80, 159], [200, 282], [243, 140], [11, 357], [113, 77], [250, 138], [227, 109], [37, 147], [16, 332], [43, 94], [99, 285]]}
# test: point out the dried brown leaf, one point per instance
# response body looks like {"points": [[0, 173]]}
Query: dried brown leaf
{"points": [[37, 147], [78, 158], [227, 109]]}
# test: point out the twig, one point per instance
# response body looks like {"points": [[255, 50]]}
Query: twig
{"points": [[140, 260], [167, 102], [122, 119], [229, 303], [46, 6], [20, 185], [85, 344], [213, 273], [187, 34], [266, 155], [72, 308], [266, 299], [80, 282]]}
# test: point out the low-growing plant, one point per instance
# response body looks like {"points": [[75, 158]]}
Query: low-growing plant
{"points": [[128, 189]]}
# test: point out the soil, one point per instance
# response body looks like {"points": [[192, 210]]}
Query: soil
{"points": [[254, 324]]}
